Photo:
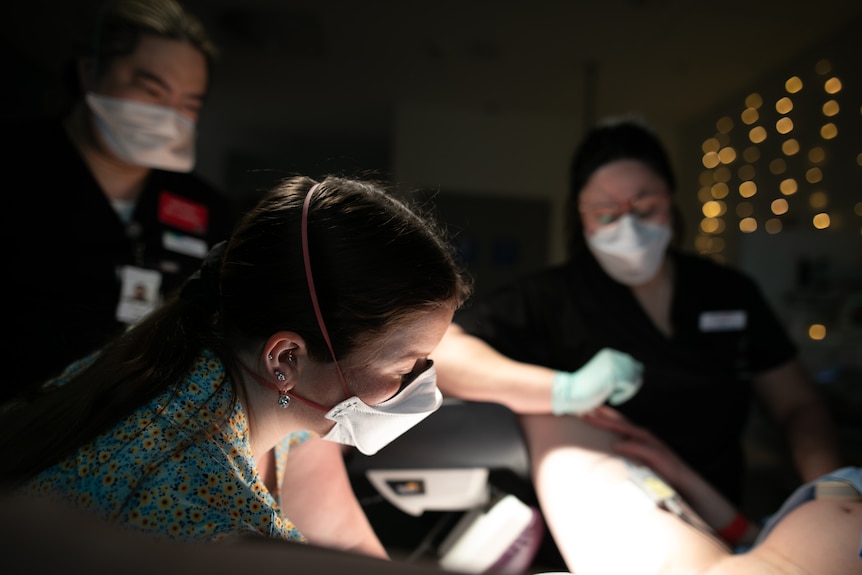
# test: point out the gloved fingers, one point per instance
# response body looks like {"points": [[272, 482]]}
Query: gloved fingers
{"points": [[629, 375], [572, 393], [624, 391]]}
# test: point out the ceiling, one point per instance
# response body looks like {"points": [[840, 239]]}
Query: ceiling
{"points": [[667, 59]]}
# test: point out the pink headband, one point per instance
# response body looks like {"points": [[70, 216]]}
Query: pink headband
{"points": [[311, 289]]}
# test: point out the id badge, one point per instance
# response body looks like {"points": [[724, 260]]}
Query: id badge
{"points": [[717, 321], [139, 293]]}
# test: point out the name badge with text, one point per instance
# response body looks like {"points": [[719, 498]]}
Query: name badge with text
{"points": [[730, 320]]}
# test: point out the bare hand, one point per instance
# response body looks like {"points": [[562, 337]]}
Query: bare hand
{"points": [[639, 444]]}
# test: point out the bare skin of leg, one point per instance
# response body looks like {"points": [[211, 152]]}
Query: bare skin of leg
{"points": [[601, 521]]}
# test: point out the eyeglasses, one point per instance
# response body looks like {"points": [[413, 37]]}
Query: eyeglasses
{"points": [[643, 206]]}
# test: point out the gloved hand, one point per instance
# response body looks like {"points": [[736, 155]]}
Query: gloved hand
{"points": [[610, 375]]}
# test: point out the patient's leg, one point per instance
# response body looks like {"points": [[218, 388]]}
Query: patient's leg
{"points": [[601, 521]]}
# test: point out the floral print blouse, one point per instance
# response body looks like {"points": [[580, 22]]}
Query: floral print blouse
{"points": [[155, 473]]}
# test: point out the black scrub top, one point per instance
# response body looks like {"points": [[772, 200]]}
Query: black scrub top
{"points": [[696, 392], [65, 247]]}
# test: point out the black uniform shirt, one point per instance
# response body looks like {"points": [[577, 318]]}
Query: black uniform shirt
{"points": [[696, 389], [65, 245]]}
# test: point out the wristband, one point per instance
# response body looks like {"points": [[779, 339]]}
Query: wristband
{"points": [[733, 531]]}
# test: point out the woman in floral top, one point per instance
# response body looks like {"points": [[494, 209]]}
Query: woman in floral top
{"points": [[309, 328]]}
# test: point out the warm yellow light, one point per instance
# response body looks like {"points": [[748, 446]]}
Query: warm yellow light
{"points": [[744, 209], [710, 145], [818, 200], [779, 206], [784, 105], [747, 189], [754, 101], [816, 155], [709, 225], [751, 154], [704, 194], [724, 125], [719, 191], [823, 67], [790, 147], [813, 175], [817, 331], [784, 125], [793, 84], [727, 155], [832, 85], [757, 134], [828, 131], [748, 225], [821, 221], [714, 209], [857, 209], [710, 160], [788, 187], [831, 108], [859, 159], [749, 116], [777, 166], [772, 226]]}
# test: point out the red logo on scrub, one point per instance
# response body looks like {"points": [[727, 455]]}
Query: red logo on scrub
{"points": [[182, 213]]}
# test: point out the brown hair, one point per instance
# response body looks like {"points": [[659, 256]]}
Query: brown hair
{"points": [[375, 261]]}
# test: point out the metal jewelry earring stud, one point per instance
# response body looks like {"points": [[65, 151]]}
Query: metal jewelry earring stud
{"points": [[283, 398], [269, 356], [290, 356]]}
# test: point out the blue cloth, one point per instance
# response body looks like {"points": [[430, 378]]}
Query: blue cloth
{"points": [[851, 475], [166, 470]]}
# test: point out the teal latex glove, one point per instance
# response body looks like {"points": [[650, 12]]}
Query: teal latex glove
{"points": [[610, 375]]}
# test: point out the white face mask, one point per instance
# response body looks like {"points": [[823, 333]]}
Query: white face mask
{"points": [[144, 134], [371, 427], [630, 251]]}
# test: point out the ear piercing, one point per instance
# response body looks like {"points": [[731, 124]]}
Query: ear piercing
{"points": [[283, 398], [290, 356]]}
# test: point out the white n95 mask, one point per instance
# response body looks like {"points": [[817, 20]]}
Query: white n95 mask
{"points": [[629, 250], [144, 134], [371, 427]]}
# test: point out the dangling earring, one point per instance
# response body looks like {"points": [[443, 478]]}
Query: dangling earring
{"points": [[283, 398]]}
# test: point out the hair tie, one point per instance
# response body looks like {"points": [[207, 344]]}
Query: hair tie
{"points": [[202, 287]]}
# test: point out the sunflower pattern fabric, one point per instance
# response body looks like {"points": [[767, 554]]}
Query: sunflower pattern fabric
{"points": [[170, 470]]}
